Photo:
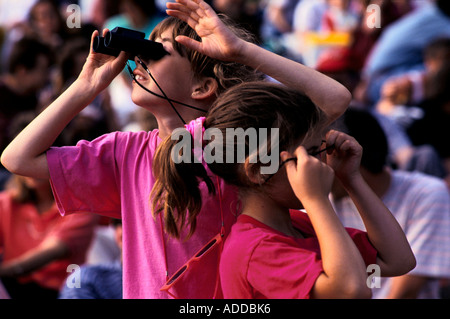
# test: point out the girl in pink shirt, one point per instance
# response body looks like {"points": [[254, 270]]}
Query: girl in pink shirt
{"points": [[113, 175], [273, 251]]}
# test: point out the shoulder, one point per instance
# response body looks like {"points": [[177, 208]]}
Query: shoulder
{"points": [[417, 183]]}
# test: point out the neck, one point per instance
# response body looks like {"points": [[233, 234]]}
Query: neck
{"points": [[262, 208], [168, 123], [378, 182]]}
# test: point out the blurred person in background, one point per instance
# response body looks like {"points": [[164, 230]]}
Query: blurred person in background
{"points": [[400, 48], [100, 281], [27, 73], [419, 202], [246, 13], [46, 23], [37, 244]]}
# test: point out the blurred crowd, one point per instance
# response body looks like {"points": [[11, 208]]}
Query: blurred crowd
{"points": [[393, 55]]}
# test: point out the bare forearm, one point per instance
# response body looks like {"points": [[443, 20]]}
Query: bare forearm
{"points": [[26, 153], [407, 286], [394, 253], [329, 95], [344, 269]]}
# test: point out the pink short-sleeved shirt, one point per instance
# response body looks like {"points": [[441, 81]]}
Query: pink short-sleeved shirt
{"points": [[260, 262], [112, 176]]}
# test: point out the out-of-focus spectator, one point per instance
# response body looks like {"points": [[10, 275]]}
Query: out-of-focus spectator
{"points": [[365, 36], [345, 63], [308, 15], [28, 72], [277, 26], [339, 17], [246, 13], [420, 203], [139, 15], [46, 22], [100, 281], [97, 12], [278, 15], [434, 127], [43, 22], [36, 242], [400, 48], [412, 88]]}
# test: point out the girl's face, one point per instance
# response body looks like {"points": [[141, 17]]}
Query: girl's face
{"points": [[173, 74]]}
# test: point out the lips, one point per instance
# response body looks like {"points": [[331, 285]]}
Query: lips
{"points": [[139, 76]]}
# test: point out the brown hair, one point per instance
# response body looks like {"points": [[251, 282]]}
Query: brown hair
{"points": [[227, 74], [256, 105]]}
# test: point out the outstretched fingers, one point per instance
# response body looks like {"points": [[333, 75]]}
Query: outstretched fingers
{"points": [[189, 9]]}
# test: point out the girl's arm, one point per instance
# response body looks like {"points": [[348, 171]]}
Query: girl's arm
{"points": [[395, 256], [344, 271], [26, 155], [220, 43]]}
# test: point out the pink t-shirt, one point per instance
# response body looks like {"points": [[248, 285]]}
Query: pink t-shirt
{"points": [[260, 262], [112, 176]]}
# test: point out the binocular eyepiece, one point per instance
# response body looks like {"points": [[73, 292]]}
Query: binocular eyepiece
{"points": [[131, 41]]}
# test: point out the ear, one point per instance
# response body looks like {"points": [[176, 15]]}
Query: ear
{"points": [[253, 172], [205, 88]]}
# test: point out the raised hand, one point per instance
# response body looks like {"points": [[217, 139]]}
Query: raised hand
{"points": [[310, 178], [217, 40], [100, 69], [345, 157]]}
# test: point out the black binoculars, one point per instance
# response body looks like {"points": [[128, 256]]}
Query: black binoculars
{"points": [[131, 41]]}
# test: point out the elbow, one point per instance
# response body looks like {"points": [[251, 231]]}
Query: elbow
{"points": [[6, 161], [341, 101], [9, 162], [400, 267], [356, 290], [406, 265], [345, 97]]}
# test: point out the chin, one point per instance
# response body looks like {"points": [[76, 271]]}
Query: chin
{"points": [[139, 99]]}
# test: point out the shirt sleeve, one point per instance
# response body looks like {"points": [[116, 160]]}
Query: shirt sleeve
{"points": [[278, 270], [365, 247], [84, 177]]}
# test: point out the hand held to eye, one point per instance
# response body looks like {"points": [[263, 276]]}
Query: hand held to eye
{"points": [[310, 178], [131, 41]]}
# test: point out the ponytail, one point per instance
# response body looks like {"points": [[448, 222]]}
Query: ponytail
{"points": [[176, 192]]}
